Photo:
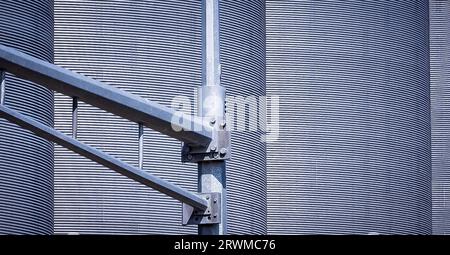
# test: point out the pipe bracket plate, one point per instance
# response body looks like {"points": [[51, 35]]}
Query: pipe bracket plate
{"points": [[218, 149], [211, 215], [212, 111]]}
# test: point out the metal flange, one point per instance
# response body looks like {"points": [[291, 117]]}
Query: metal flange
{"points": [[218, 149], [211, 108], [211, 215]]}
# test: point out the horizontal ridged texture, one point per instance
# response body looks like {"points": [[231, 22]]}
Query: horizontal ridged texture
{"points": [[26, 161], [353, 155], [440, 112], [243, 66], [152, 49]]}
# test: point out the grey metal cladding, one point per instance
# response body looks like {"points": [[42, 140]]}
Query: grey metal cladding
{"points": [[26, 162], [353, 155], [152, 49], [243, 67], [440, 114]]}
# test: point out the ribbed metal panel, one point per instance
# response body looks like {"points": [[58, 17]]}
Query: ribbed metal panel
{"points": [[152, 49], [243, 61], [440, 112], [26, 161], [353, 156]]}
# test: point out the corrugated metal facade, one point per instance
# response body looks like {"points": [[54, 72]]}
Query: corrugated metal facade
{"points": [[152, 49], [353, 155], [26, 162], [440, 112]]}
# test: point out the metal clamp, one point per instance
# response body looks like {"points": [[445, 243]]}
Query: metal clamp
{"points": [[218, 149], [211, 215], [211, 108]]}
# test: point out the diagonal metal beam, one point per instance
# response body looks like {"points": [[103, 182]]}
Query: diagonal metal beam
{"points": [[106, 97], [104, 159]]}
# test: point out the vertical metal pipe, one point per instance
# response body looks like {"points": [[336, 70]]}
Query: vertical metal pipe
{"points": [[74, 117], [212, 178], [210, 43], [2, 87], [141, 146], [211, 174]]}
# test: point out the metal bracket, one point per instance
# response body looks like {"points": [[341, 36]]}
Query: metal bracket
{"points": [[211, 109], [218, 149], [210, 215]]}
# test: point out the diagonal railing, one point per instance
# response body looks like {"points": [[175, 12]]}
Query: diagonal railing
{"points": [[102, 158], [105, 97]]}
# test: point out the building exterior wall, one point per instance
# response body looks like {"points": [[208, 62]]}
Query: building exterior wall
{"points": [[26, 161], [152, 49], [353, 155], [440, 112]]}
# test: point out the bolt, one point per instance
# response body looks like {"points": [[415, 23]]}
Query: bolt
{"points": [[207, 197], [223, 151], [215, 215], [223, 125], [189, 157], [209, 217], [212, 121], [213, 148], [215, 200]]}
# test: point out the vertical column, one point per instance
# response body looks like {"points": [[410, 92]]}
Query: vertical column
{"points": [[74, 117], [212, 178], [141, 146], [212, 174], [2, 87]]}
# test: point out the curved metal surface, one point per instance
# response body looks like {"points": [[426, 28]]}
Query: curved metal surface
{"points": [[152, 49], [26, 161], [353, 155], [440, 112], [243, 53]]}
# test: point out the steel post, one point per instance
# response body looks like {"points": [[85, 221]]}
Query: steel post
{"points": [[74, 117], [212, 174], [212, 178], [2, 86], [141, 146]]}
